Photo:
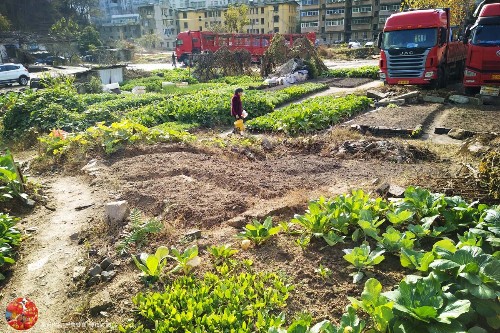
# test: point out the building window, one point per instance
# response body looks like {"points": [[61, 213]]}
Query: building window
{"points": [[262, 10], [395, 8], [310, 13], [309, 24], [184, 15], [335, 11], [309, 2], [201, 28], [356, 35], [275, 8], [262, 21], [334, 23], [334, 1], [206, 24], [185, 25], [361, 20], [276, 30], [384, 7], [362, 9], [276, 19], [365, 35], [382, 19]]}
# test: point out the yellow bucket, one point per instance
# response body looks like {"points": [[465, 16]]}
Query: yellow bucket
{"points": [[238, 124]]}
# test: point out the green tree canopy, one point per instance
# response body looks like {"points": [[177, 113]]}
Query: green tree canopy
{"points": [[4, 23], [235, 18], [89, 39]]}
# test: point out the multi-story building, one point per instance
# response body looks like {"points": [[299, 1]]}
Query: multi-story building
{"points": [[264, 17], [346, 20], [120, 27], [159, 19]]}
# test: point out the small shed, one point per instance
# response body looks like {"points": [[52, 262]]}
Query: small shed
{"points": [[110, 74]]}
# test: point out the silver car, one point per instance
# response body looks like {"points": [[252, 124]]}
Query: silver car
{"points": [[11, 73]]}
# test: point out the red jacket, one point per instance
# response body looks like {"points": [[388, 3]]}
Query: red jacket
{"points": [[236, 106]]}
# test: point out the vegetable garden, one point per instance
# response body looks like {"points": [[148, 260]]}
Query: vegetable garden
{"points": [[424, 262]]}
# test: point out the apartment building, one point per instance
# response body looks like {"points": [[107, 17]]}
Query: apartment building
{"points": [[264, 17], [159, 19], [337, 21], [120, 27]]}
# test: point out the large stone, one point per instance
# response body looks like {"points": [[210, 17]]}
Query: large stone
{"points": [[409, 96], [193, 234], [371, 93], [396, 191], [459, 134], [266, 144], [117, 212], [96, 270], [108, 275], [78, 272], [433, 99], [105, 264], [459, 99], [100, 302]]}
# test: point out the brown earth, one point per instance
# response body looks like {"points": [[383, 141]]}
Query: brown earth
{"points": [[404, 117], [484, 118]]}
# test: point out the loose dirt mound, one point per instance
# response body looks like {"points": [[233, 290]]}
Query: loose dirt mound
{"points": [[206, 188], [383, 150]]}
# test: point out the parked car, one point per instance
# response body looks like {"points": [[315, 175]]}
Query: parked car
{"points": [[369, 44], [50, 60], [354, 45], [11, 73]]}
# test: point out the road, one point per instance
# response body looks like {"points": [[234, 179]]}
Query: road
{"points": [[69, 70]]}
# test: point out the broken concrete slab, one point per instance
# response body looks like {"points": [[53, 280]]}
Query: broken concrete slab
{"points": [[371, 93], [408, 96], [460, 99], [433, 99]]}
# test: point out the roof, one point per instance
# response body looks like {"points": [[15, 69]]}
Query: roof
{"points": [[416, 19], [490, 10]]}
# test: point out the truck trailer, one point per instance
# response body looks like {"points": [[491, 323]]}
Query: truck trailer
{"points": [[198, 42], [482, 68], [419, 47]]}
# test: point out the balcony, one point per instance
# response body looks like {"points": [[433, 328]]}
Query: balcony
{"points": [[362, 14], [361, 27], [334, 28]]}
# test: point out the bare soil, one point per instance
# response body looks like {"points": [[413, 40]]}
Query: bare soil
{"points": [[484, 118], [404, 117]]}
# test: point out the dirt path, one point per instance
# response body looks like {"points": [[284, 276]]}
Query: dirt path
{"points": [[44, 270], [337, 90]]}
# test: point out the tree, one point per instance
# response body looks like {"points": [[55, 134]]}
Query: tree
{"points": [[235, 18], [65, 34], [459, 9], [4, 23], [149, 41], [89, 39]]}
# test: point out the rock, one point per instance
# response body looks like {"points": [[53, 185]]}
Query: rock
{"points": [[95, 271], [110, 267], [105, 264], [93, 280], [382, 189], [475, 101], [30, 203], [458, 133], [84, 206], [433, 99], [386, 101], [371, 93], [237, 222], [117, 211], [78, 272], [32, 229], [396, 191], [108, 275], [91, 165], [100, 302], [266, 144], [408, 96], [459, 99], [193, 234]]}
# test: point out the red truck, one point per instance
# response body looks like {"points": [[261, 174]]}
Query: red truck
{"points": [[482, 68], [197, 42], [418, 47]]}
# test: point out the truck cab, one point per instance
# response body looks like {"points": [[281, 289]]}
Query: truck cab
{"points": [[418, 47], [482, 68]]}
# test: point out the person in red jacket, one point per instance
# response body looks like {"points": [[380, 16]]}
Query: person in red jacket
{"points": [[237, 106]]}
